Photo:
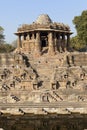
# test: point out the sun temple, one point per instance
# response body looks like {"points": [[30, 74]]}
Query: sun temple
{"points": [[43, 75]]}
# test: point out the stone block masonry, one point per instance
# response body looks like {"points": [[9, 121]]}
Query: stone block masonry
{"points": [[42, 75]]}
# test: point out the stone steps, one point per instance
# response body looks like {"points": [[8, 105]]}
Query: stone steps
{"points": [[59, 104]]}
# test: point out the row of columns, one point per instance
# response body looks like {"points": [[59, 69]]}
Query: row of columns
{"points": [[55, 41]]}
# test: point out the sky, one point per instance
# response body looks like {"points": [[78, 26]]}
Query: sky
{"points": [[14, 13]]}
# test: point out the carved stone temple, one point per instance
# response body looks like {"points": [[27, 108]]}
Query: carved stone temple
{"points": [[43, 75], [43, 35]]}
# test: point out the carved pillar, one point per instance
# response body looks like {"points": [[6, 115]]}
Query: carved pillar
{"points": [[55, 41], [23, 37], [68, 41], [28, 37], [63, 42], [32, 35], [59, 43], [51, 50], [27, 42], [19, 42], [37, 44]]}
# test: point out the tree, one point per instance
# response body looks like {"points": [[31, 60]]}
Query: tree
{"points": [[76, 43], [1, 35], [81, 27], [6, 48]]}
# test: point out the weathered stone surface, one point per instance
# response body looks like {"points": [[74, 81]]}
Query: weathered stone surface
{"points": [[41, 76]]}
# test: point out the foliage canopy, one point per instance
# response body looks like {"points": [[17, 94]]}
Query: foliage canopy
{"points": [[1, 35], [4, 47], [80, 23]]}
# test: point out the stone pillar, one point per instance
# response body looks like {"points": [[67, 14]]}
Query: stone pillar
{"points": [[55, 41], [37, 44], [32, 35], [23, 38], [63, 42], [59, 43], [68, 42], [19, 42], [28, 37], [51, 49]]}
